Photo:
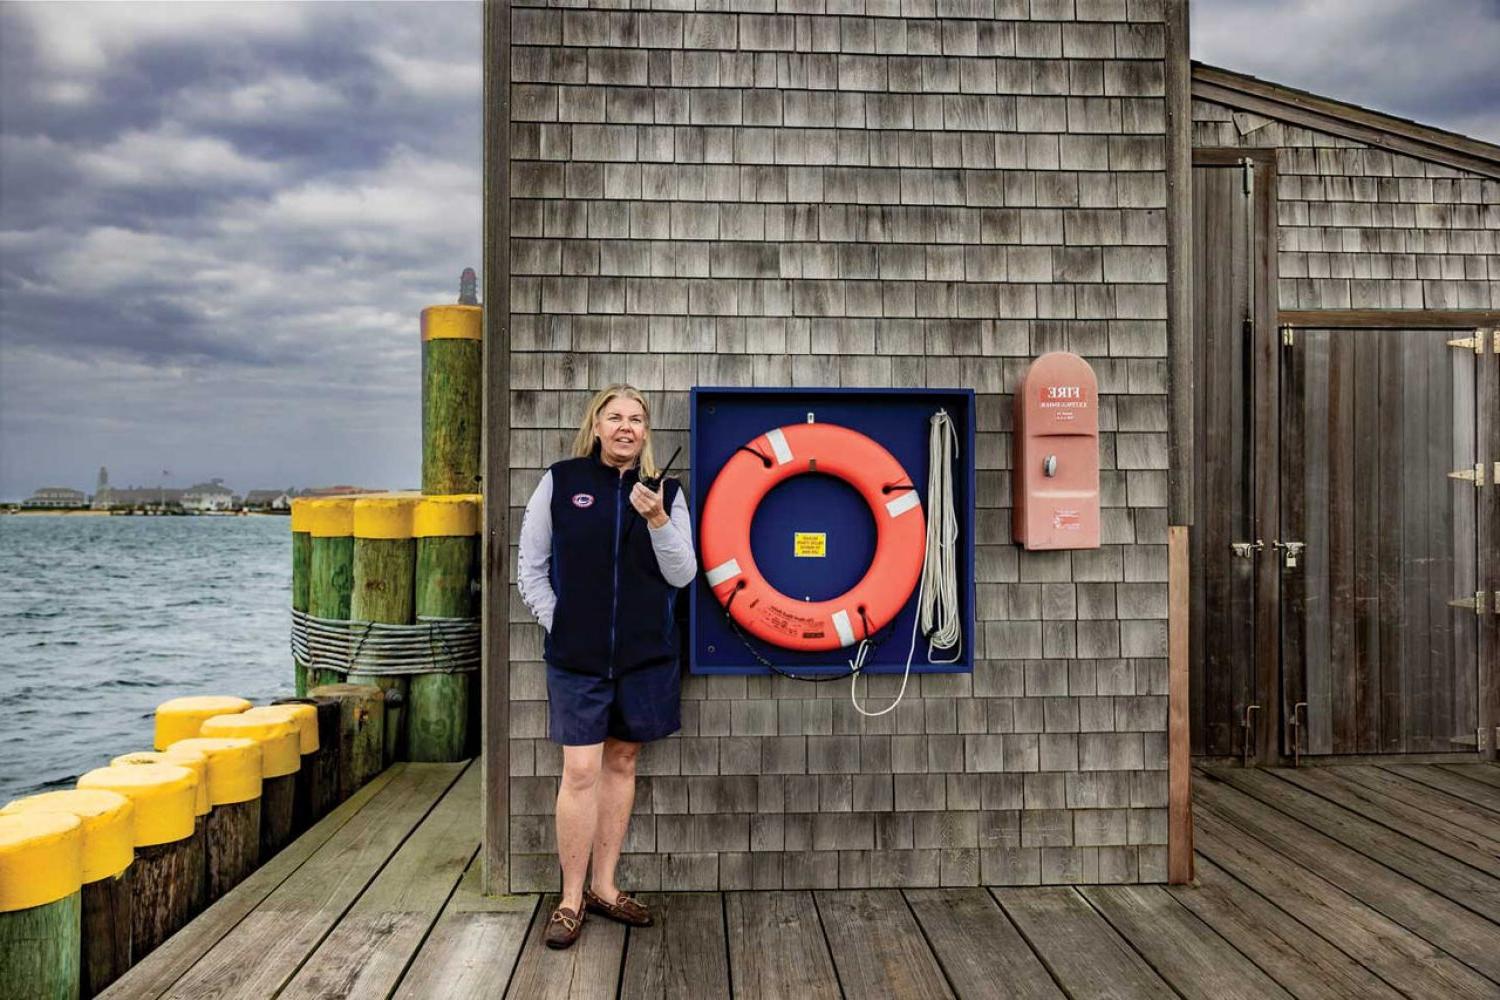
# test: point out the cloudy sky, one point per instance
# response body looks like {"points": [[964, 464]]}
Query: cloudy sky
{"points": [[218, 223]]}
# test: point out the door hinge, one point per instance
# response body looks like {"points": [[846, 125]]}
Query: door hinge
{"points": [[1247, 167], [1476, 343], [1474, 475], [1288, 336], [1475, 603]]}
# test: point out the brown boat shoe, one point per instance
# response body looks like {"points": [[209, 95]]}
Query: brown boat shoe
{"points": [[626, 909], [563, 927]]}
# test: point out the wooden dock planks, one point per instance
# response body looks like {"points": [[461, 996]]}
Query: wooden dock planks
{"points": [[164, 966], [1474, 849], [1397, 955], [878, 947], [682, 955], [1323, 883], [980, 951], [1080, 949], [377, 938], [1401, 918], [590, 970], [1306, 964], [472, 950], [776, 947], [1400, 853], [259, 956], [1184, 950]]}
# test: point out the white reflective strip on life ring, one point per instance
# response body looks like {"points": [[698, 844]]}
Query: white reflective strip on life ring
{"points": [[779, 446], [724, 571], [844, 628], [903, 503]]}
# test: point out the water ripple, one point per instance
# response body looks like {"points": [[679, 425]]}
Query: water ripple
{"points": [[102, 618]]}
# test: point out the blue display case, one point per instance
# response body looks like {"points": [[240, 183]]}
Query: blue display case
{"points": [[724, 419]]}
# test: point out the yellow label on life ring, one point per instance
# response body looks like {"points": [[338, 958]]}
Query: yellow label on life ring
{"points": [[809, 544]]}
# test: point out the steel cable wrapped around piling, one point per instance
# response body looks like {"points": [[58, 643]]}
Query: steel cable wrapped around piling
{"points": [[428, 646]]}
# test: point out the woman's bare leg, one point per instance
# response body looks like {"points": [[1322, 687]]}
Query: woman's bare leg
{"points": [[616, 796], [577, 818]]}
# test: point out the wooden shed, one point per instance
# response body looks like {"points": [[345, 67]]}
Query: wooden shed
{"points": [[1290, 304]]}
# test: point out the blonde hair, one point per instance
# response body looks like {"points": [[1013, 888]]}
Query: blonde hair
{"points": [[583, 444]]}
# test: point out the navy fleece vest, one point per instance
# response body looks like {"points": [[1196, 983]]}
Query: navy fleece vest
{"points": [[614, 608]]}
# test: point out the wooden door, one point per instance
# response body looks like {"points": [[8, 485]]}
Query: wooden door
{"points": [[1375, 657], [1233, 622]]}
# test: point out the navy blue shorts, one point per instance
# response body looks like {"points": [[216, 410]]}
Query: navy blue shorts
{"points": [[640, 706]]}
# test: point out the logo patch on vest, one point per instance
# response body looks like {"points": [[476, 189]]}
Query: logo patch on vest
{"points": [[583, 500]]}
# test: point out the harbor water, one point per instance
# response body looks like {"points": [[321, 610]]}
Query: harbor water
{"points": [[102, 618]]}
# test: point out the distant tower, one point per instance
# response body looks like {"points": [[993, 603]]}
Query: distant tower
{"points": [[468, 288], [101, 490], [103, 480]]}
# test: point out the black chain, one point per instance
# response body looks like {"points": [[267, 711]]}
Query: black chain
{"points": [[868, 641]]}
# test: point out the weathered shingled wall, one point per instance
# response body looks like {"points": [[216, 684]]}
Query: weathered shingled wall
{"points": [[1367, 228], [865, 193]]}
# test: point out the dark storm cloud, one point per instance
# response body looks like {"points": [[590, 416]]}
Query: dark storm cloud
{"points": [[1432, 61], [218, 224]]}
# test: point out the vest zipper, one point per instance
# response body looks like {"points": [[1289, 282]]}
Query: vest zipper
{"points": [[614, 606]]}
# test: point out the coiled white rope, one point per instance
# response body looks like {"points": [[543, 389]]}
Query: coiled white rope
{"points": [[938, 614]]}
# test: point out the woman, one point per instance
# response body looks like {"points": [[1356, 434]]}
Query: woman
{"points": [[602, 585]]}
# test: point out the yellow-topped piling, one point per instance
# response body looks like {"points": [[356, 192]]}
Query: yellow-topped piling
{"points": [[453, 516], [303, 717], [233, 767], [163, 794], [190, 759], [453, 322], [41, 858], [387, 515], [41, 875], [180, 718], [329, 517], [279, 742], [108, 820]]}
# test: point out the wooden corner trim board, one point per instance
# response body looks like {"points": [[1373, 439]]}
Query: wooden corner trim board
{"points": [[1182, 376], [1179, 739], [495, 537]]}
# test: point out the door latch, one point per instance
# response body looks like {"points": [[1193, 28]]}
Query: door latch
{"points": [[1289, 551], [1247, 748], [1245, 550]]}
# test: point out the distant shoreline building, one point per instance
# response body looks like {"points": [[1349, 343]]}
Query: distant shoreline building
{"points": [[209, 496], [56, 498], [269, 499]]}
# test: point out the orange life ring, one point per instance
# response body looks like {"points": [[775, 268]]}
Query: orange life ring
{"points": [[900, 537]]}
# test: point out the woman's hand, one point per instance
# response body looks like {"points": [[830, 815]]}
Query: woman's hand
{"points": [[649, 503]]}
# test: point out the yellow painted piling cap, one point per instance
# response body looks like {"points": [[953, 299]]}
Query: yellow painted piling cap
{"points": [[300, 513], [41, 859], [108, 820], [233, 767], [453, 323], [456, 515], [163, 795], [190, 759], [180, 718], [387, 516], [280, 747], [304, 718], [329, 517]]}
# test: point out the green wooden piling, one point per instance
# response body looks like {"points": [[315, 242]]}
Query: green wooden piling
{"points": [[452, 361], [438, 704]]}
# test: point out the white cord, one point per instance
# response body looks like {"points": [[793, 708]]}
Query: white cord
{"points": [[937, 591]]}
